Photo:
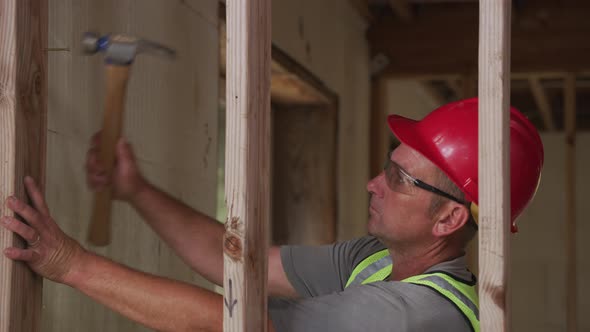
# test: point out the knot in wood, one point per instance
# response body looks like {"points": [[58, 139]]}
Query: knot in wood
{"points": [[232, 246]]}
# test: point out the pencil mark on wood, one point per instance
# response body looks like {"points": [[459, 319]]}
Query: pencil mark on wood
{"points": [[232, 302]]}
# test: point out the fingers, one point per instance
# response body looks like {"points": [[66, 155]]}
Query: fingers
{"points": [[25, 231], [27, 255], [97, 182], [31, 215], [96, 177], [93, 164], [36, 196]]}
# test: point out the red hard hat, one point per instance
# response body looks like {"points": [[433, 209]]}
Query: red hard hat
{"points": [[448, 137]]}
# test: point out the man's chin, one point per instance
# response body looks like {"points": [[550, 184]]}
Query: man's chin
{"points": [[371, 226]]}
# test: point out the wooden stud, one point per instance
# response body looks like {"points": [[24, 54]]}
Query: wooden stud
{"points": [[494, 164], [542, 102], [570, 199], [23, 126], [247, 165]]}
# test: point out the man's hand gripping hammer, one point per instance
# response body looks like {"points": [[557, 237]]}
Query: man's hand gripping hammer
{"points": [[120, 51]]}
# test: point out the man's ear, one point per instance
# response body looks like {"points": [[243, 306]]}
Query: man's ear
{"points": [[450, 218]]}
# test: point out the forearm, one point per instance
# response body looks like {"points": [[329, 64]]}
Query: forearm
{"points": [[198, 239], [158, 303], [195, 237]]}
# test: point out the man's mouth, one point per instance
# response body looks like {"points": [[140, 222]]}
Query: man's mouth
{"points": [[373, 209]]}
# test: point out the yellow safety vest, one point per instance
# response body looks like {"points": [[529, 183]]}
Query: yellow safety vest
{"points": [[463, 295]]}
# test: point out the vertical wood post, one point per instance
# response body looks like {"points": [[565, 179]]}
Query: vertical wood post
{"points": [[23, 109], [570, 199], [247, 165], [494, 164]]}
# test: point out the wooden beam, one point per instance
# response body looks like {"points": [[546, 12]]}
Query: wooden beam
{"points": [[23, 126], [443, 40], [246, 238], [570, 199], [290, 82], [402, 9], [542, 102], [494, 164]]}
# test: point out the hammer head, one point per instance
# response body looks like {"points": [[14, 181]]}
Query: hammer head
{"points": [[122, 49]]}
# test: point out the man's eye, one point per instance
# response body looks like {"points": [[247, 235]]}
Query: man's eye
{"points": [[402, 179]]}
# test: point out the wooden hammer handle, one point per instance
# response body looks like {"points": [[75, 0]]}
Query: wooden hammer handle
{"points": [[99, 233]]}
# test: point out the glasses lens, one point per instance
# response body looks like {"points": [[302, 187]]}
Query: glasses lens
{"points": [[397, 180]]}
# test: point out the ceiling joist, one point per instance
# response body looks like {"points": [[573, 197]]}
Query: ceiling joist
{"points": [[443, 40]]}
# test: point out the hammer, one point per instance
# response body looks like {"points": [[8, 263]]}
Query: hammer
{"points": [[120, 51]]}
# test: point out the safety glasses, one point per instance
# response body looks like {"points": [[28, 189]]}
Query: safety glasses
{"points": [[400, 181]]}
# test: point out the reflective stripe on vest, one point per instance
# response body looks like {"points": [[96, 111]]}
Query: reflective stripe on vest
{"points": [[463, 296], [378, 267]]}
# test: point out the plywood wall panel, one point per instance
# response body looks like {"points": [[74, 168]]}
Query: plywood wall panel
{"points": [[171, 120]]}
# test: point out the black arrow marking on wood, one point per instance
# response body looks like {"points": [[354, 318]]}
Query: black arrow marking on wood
{"points": [[232, 302]]}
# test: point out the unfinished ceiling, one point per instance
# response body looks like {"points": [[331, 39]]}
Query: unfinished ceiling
{"points": [[436, 42]]}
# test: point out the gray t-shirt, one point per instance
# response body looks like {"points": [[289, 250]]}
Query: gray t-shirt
{"points": [[319, 275]]}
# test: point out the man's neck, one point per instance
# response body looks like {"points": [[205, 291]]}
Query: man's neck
{"points": [[409, 263]]}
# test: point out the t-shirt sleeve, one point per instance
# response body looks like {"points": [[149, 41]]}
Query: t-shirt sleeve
{"points": [[321, 270]]}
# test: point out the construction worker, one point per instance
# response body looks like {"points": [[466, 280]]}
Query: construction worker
{"points": [[409, 274]]}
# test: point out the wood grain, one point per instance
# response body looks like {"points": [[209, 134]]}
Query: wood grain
{"points": [[494, 164], [247, 165], [23, 107]]}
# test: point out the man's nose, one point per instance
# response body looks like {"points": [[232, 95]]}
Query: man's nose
{"points": [[375, 185]]}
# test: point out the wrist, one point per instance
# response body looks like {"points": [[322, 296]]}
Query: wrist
{"points": [[78, 267], [143, 190]]}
